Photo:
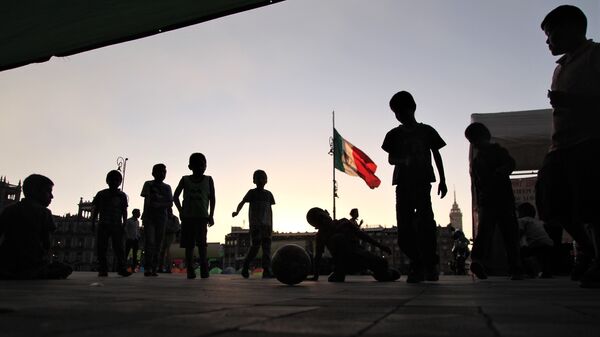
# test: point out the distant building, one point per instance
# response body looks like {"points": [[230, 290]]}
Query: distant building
{"points": [[445, 241], [456, 215], [74, 242], [9, 194]]}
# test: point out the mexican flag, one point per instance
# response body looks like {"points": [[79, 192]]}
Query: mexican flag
{"points": [[351, 160]]}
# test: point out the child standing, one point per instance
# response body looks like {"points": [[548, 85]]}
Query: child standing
{"points": [[110, 205], [132, 237], [491, 167], [260, 217], [25, 229], [196, 213], [157, 199], [354, 218], [410, 147]]}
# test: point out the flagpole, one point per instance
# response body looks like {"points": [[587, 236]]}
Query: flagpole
{"points": [[333, 162]]}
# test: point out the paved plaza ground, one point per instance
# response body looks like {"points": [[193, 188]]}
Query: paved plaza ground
{"points": [[227, 305]]}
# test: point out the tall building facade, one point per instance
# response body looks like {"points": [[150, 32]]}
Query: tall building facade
{"points": [[456, 215]]}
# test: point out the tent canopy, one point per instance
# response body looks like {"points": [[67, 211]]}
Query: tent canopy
{"points": [[525, 134], [35, 31]]}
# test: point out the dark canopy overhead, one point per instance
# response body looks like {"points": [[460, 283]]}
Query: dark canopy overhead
{"points": [[34, 31]]}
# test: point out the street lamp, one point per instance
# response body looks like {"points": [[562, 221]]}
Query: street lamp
{"points": [[121, 166]]}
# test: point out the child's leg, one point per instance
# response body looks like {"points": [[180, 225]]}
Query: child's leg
{"points": [[189, 261], [202, 249], [117, 245], [509, 227], [266, 253], [101, 247], [254, 246], [426, 229], [407, 234]]}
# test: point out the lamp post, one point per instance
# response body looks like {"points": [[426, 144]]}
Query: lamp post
{"points": [[121, 167]]}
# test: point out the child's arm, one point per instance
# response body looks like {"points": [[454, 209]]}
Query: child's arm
{"points": [[238, 209], [211, 199], [437, 157], [176, 194]]}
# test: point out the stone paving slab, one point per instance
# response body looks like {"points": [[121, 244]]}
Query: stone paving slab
{"points": [[227, 305]]}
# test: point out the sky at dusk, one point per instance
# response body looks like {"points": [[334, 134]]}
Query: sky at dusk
{"points": [[256, 90]]}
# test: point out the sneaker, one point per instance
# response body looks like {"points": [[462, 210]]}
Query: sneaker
{"points": [[147, 273], [478, 270], [124, 273], [204, 274], [154, 274], [245, 273], [102, 274], [336, 277], [191, 275]]}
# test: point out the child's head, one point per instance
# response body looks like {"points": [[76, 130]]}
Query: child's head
{"points": [[197, 163], [403, 105], [354, 213], [259, 178], [114, 179], [136, 213], [39, 188], [318, 217], [565, 26], [477, 134], [159, 172], [526, 210]]}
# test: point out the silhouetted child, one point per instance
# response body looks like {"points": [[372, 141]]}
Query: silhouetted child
{"points": [[568, 179], [158, 198], [354, 217], [196, 212], [491, 166], [260, 217], [410, 147], [132, 237], [25, 229], [341, 238], [110, 206], [171, 230], [535, 242]]}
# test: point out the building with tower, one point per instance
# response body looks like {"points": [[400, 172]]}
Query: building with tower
{"points": [[456, 215]]}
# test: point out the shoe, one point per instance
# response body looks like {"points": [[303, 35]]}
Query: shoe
{"points": [[124, 273], [336, 277], [591, 278], [204, 274], [245, 273], [147, 273], [102, 274], [546, 275], [478, 270], [191, 275], [153, 274]]}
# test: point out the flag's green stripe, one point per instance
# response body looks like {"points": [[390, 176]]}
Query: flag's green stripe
{"points": [[338, 153]]}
